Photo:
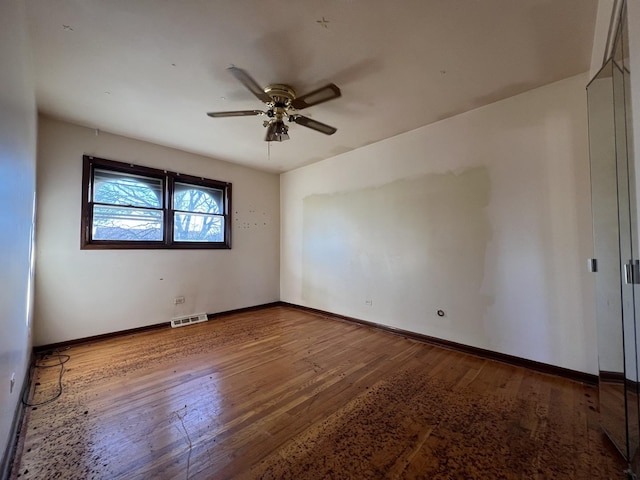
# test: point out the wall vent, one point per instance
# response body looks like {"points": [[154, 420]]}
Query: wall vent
{"points": [[188, 320]]}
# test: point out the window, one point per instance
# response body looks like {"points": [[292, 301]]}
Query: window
{"points": [[127, 206]]}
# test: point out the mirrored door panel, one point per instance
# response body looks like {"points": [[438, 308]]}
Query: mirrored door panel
{"points": [[627, 265], [631, 346], [604, 195]]}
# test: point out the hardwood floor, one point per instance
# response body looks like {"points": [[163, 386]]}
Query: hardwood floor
{"points": [[281, 393]]}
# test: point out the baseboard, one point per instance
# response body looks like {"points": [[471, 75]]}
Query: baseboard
{"points": [[10, 451], [618, 378], [574, 375], [612, 377], [146, 328], [245, 309], [95, 338]]}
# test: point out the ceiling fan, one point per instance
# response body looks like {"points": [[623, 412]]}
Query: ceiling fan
{"points": [[282, 102]]}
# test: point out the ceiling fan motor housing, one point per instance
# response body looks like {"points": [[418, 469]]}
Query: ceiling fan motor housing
{"points": [[280, 94]]}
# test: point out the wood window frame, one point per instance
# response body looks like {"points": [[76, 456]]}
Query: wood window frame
{"points": [[90, 163]]}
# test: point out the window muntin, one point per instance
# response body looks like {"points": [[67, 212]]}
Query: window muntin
{"points": [[127, 206]]}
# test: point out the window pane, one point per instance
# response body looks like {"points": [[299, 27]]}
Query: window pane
{"points": [[125, 189], [190, 227], [123, 223], [194, 198]]}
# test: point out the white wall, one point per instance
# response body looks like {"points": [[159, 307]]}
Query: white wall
{"points": [[485, 215], [81, 293], [17, 171]]}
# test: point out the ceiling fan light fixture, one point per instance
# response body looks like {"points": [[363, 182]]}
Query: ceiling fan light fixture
{"points": [[277, 132]]}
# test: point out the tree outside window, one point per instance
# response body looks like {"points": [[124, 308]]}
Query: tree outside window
{"points": [[197, 214]]}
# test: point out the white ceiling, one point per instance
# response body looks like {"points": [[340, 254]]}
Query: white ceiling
{"points": [[151, 69]]}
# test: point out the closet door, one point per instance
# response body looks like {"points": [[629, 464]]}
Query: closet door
{"points": [[616, 248], [608, 278], [624, 131]]}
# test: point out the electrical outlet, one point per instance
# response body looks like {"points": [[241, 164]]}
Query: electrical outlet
{"points": [[12, 382], [368, 302], [178, 300]]}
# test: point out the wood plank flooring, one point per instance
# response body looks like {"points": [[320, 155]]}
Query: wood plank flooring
{"points": [[281, 393]]}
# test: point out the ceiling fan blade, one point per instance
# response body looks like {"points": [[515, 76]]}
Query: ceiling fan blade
{"points": [[237, 113], [248, 81], [321, 95], [314, 124]]}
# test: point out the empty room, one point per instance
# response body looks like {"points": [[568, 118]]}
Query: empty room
{"points": [[320, 240]]}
